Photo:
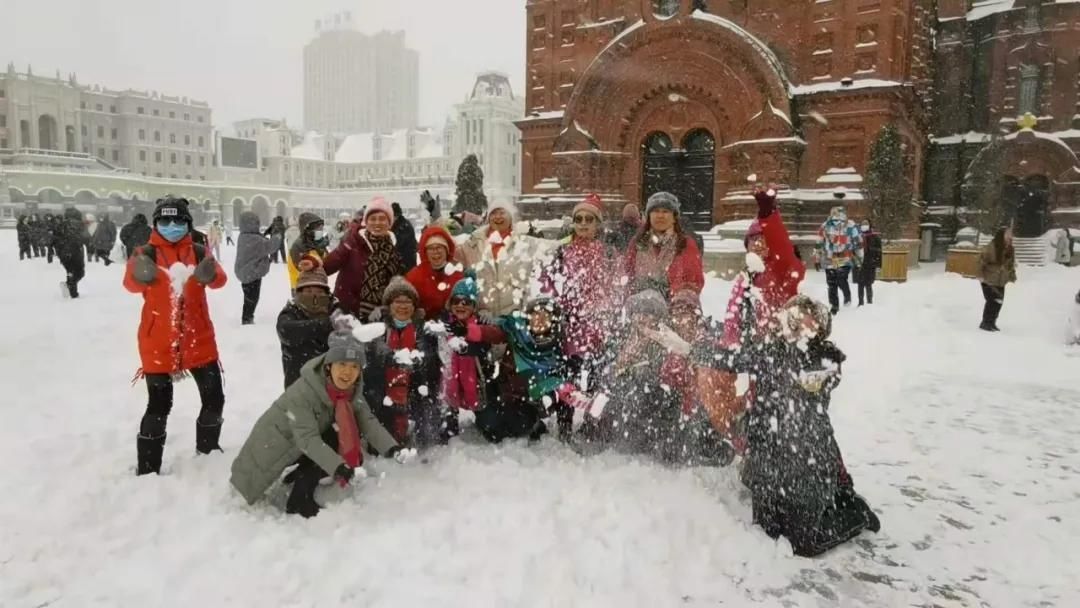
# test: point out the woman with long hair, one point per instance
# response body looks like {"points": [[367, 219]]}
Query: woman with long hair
{"points": [[662, 257]]}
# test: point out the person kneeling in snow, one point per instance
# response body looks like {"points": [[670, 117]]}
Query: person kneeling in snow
{"points": [[467, 367], [317, 425], [304, 325], [798, 484], [401, 381], [176, 336]]}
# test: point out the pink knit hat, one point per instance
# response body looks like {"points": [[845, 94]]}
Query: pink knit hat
{"points": [[592, 204], [379, 205]]}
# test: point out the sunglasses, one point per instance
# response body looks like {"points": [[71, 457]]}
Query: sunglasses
{"points": [[460, 301], [584, 219], [171, 221]]}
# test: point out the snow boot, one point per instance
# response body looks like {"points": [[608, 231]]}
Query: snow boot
{"points": [[206, 437], [150, 450], [848, 500], [986, 326], [305, 480]]}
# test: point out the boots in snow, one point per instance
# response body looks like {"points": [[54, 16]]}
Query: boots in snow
{"points": [[150, 450], [305, 479], [206, 437]]}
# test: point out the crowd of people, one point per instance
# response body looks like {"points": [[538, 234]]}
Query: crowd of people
{"points": [[73, 239], [604, 337]]}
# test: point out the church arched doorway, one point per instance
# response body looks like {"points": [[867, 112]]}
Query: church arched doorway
{"points": [[1028, 202], [688, 172]]}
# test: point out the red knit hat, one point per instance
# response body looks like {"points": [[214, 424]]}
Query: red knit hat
{"points": [[592, 204]]}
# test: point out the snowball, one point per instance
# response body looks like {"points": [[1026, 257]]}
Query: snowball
{"points": [[442, 286], [406, 356], [742, 384], [774, 424], [546, 400], [451, 268], [368, 331], [754, 263], [752, 177], [387, 401], [598, 405], [423, 390], [435, 327], [179, 273], [457, 344]]}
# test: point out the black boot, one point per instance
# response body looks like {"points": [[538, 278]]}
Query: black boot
{"points": [[305, 480], [206, 437], [150, 450]]}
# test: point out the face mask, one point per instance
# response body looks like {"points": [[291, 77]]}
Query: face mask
{"points": [[400, 324], [314, 304], [319, 235], [172, 232]]}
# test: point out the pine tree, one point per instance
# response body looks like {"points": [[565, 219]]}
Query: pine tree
{"points": [[982, 192], [887, 187], [470, 187]]}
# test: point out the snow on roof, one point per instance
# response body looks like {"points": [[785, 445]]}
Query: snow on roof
{"points": [[989, 7], [432, 149], [971, 137], [544, 115], [845, 175], [311, 149], [357, 148], [859, 83], [766, 140], [396, 145]]}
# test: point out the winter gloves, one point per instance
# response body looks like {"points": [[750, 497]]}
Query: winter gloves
{"points": [[206, 271], [766, 201], [143, 269], [343, 474]]}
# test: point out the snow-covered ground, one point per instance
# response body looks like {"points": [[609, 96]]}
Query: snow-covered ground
{"points": [[964, 442]]}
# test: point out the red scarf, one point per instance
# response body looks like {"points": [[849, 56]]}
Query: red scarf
{"points": [[348, 431], [397, 378], [497, 247]]}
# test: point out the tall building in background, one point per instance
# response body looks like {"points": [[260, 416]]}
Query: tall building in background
{"points": [[355, 82]]}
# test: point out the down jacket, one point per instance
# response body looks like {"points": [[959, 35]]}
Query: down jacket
{"points": [[175, 333], [434, 286], [293, 426], [253, 250], [303, 246], [351, 260]]}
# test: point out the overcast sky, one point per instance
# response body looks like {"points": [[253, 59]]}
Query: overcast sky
{"points": [[245, 56]]}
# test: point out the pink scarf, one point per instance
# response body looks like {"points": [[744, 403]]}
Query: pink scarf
{"points": [[462, 387], [348, 431]]}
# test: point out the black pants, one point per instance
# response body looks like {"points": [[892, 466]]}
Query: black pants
{"points": [[500, 421], [995, 298], [50, 252], [76, 270], [159, 387], [251, 300], [305, 480], [865, 279], [103, 255], [837, 279], [280, 252], [25, 251]]}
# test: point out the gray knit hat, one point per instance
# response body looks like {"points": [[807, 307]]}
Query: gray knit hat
{"points": [[662, 200], [344, 347], [400, 287], [648, 302]]}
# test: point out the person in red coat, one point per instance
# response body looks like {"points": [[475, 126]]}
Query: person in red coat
{"points": [[430, 278], [367, 259], [176, 336], [661, 256]]}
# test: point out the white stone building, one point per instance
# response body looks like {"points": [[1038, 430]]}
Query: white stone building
{"points": [[356, 83], [484, 125]]}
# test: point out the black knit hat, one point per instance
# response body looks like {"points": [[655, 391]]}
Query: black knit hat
{"points": [[172, 207]]}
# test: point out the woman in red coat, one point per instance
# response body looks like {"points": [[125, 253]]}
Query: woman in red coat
{"points": [[661, 257], [367, 259], [430, 278], [176, 336]]}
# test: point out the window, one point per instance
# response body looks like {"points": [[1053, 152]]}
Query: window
{"points": [[3, 120], [539, 22], [140, 110], [569, 18], [112, 109], [142, 155], [82, 105], [157, 174], [172, 138], [99, 108], [187, 159], [567, 36], [1032, 17], [101, 132], [172, 114], [116, 155], [187, 140], [172, 158], [157, 135], [115, 133], [187, 116], [1029, 89], [200, 141], [3, 142], [200, 119], [202, 161], [157, 159], [101, 152], [142, 134], [157, 113]]}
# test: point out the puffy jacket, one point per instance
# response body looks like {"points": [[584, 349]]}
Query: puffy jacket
{"points": [[504, 278], [303, 246], [434, 286], [686, 270], [582, 277], [994, 271], [840, 240], [302, 339], [105, 236], [351, 260], [135, 233], [253, 250], [293, 426], [426, 372], [71, 236], [175, 334]]}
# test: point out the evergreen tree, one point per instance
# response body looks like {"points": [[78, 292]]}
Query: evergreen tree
{"points": [[887, 186], [470, 187], [983, 190]]}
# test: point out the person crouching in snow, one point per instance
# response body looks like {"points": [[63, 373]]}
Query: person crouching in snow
{"points": [[798, 484], [305, 324], [176, 336], [435, 276], [318, 425], [466, 374], [401, 380]]}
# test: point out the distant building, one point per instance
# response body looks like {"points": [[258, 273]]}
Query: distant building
{"points": [[274, 137], [356, 83], [146, 132], [484, 125]]}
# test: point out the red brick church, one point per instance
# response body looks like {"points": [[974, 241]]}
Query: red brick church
{"points": [[707, 97]]}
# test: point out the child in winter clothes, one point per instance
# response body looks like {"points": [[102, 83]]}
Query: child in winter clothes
{"points": [[402, 379], [431, 278], [308, 250], [318, 426], [176, 336], [304, 325], [798, 484], [252, 262], [467, 369]]}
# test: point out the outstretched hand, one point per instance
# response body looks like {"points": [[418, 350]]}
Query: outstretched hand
{"points": [[766, 200]]}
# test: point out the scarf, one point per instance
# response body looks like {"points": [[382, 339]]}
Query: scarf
{"points": [[348, 443], [538, 364], [397, 378], [654, 259], [497, 247], [382, 265], [314, 305], [463, 382]]}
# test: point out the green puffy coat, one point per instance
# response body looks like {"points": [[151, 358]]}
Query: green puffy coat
{"points": [[294, 425]]}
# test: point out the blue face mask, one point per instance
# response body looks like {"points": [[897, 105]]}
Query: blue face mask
{"points": [[172, 232], [401, 324]]}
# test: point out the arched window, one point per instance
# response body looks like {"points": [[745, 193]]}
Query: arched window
{"points": [[1029, 89], [666, 8], [657, 143], [698, 141]]}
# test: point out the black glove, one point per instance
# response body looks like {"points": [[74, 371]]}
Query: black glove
{"points": [[206, 271], [344, 473], [143, 269], [459, 329], [766, 201]]}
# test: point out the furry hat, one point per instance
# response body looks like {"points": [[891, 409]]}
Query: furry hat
{"points": [[400, 287], [508, 206], [662, 200]]}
